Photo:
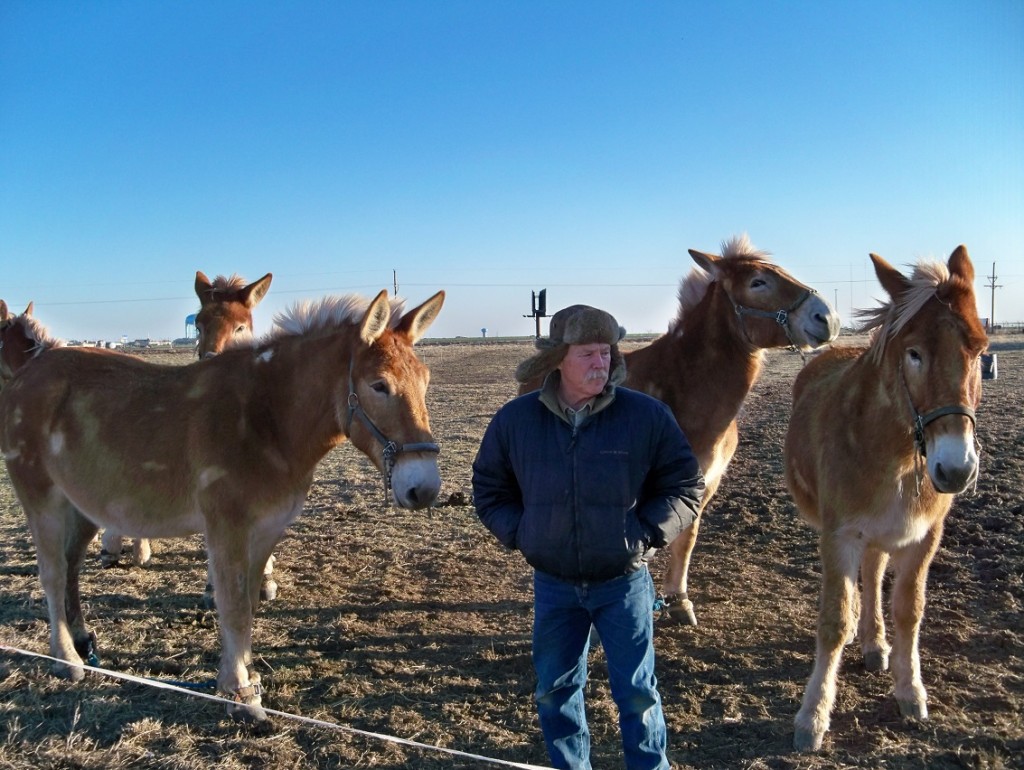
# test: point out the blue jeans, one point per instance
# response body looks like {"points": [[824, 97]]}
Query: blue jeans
{"points": [[622, 611]]}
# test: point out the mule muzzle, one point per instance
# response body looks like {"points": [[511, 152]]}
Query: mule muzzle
{"points": [[953, 462]]}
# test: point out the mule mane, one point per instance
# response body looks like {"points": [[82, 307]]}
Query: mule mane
{"points": [[36, 333], [695, 285], [220, 284], [327, 314], [886, 321]]}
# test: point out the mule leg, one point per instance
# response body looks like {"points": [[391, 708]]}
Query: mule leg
{"points": [[839, 562], [236, 578], [58, 532], [674, 585], [910, 565], [209, 599], [268, 587], [111, 548], [142, 552], [873, 645], [80, 534]]}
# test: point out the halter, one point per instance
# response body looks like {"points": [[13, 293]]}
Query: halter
{"points": [[781, 317], [921, 421], [391, 450]]}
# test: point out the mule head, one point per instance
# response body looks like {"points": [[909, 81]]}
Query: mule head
{"points": [[772, 308], [18, 343], [387, 410], [932, 340], [224, 319]]}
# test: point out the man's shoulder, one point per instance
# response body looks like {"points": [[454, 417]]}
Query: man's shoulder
{"points": [[521, 405]]}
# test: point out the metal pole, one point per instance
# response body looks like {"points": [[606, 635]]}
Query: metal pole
{"points": [[992, 311], [992, 306]]}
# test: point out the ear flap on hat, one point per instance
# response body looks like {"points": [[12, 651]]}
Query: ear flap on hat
{"points": [[542, 363]]}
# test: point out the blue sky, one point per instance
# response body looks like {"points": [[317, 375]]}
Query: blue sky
{"points": [[495, 148]]}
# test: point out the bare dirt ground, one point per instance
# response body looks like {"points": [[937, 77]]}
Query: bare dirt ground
{"points": [[418, 625]]}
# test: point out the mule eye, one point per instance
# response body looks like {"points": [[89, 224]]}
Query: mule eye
{"points": [[380, 387], [757, 283], [240, 329], [914, 356]]}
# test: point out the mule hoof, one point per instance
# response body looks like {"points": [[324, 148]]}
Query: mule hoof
{"points": [[85, 646], [680, 610], [807, 740], [68, 671], [247, 701], [911, 709], [268, 591], [108, 560], [141, 563], [876, 661], [248, 704], [209, 600], [248, 713]]}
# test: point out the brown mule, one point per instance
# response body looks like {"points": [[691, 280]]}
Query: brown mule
{"points": [[226, 446], [224, 321], [880, 440]]}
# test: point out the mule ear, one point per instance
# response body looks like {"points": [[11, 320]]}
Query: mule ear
{"points": [[376, 320], [4, 313], [705, 261], [203, 286], [416, 321], [891, 279], [28, 310], [960, 264], [255, 291]]}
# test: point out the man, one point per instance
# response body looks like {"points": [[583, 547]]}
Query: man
{"points": [[586, 479]]}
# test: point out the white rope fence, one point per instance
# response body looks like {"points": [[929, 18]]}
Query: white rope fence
{"points": [[156, 683]]}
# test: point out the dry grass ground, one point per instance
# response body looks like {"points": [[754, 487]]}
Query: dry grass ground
{"points": [[418, 625]]}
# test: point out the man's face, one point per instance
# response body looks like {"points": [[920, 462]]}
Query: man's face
{"points": [[585, 371]]}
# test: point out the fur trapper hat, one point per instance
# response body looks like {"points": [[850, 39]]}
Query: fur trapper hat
{"points": [[575, 325]]}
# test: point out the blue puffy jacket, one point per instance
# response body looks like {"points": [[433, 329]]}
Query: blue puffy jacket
{"points": [[586, 503]]}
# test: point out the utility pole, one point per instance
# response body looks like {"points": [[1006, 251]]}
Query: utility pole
{"points": [[394, 277], [539, 309], [992, 307]]}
